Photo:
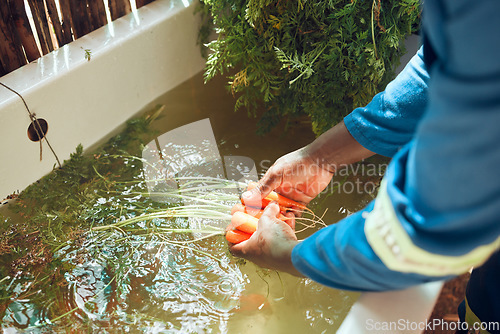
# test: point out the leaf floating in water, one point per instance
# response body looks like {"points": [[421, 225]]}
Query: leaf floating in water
{"points": [[253, 302]]}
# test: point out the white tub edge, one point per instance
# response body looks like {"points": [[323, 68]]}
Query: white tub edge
{"points": [[150, 63]]}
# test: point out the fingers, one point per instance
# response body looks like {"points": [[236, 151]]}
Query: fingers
{"points": [[271, 180], [242, 208], [290, 219], [244, 247], [272, 215]]}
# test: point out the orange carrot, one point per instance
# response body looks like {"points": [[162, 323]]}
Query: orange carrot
{"points": [[236, 236], [230, 227], [244, 222], [283, 202], [246, 209], [254, 212], [238, 207]]}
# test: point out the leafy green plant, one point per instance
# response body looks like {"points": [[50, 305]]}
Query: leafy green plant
{"points": [[319, 59]]}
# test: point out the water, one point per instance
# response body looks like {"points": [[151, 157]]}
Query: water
{"points": [[138, 280]]}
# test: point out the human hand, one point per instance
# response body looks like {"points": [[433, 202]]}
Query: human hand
{"points": [[271, 245], [296, 175]]}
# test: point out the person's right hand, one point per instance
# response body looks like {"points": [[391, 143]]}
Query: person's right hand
{"points": [[296, 175]]}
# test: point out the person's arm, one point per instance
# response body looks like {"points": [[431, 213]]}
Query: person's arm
{"points": [[390, 120], [436, 214], [301, 175]]}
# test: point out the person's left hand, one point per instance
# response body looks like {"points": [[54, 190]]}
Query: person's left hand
{"points": [[270, 246]]}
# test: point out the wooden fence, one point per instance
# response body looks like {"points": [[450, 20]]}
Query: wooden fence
{"points": [[56, 22]]}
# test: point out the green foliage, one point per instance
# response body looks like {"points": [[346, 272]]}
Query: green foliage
{"points": [[319, 59]]}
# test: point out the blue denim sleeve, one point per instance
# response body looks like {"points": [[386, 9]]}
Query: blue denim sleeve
{"points": [[389, 121]]}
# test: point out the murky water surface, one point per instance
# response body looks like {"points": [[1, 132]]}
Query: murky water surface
{"points": [[154, 281]]}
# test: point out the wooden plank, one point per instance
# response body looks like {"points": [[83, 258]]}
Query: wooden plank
{"points": [[11, 52], [98, 13], [140, 3], [79, 18], [18, 12], [119, 8], [94, 23], [112, 9], [56, 22], [7, 58], [38, 26], [102, 12], [67, 23]]}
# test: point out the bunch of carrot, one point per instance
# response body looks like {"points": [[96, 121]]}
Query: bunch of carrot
{"points": [[245, 217]]}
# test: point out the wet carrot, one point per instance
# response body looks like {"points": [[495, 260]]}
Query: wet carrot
{"points": [[284, 202], [244, 222], [237, 236]]}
